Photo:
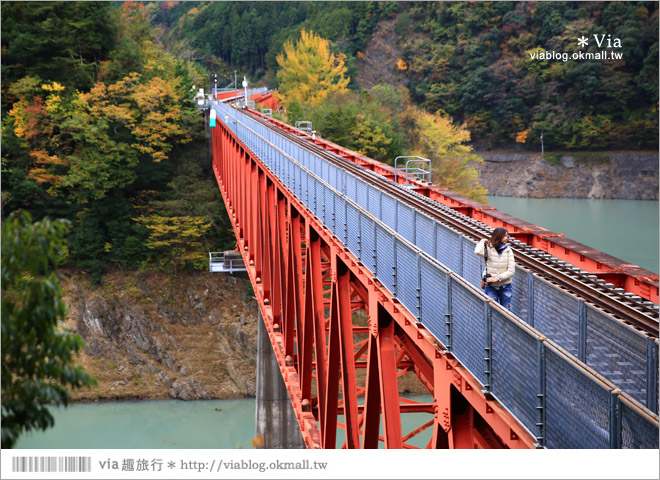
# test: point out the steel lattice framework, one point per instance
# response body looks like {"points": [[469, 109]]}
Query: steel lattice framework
{"points": [[340, 339]]}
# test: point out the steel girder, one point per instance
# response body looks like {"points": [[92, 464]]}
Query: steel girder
{"points": [[340, 339]]}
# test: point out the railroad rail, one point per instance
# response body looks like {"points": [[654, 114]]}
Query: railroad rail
{"points": [[629, 308]]}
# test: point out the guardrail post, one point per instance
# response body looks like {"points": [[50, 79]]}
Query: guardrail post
{"points": [[582, 331], [359, 236], [414, 225], [345, 239], [460, 255], [540, 395], [448, 313], [488, 346], [652, 374], [396, 216], [374, 255], [530, 299], [419, 288], [615, 419], [394, 287]]}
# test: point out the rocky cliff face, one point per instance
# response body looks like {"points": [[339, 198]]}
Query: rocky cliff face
{"points": [[151, 336], [632, 176]]}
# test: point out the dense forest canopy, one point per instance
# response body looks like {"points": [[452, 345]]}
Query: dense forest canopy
{"points": [[470, 60], [98, 125]]}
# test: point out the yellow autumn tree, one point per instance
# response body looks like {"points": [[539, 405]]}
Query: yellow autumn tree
{"points": [[308, 72], [435, 137]]}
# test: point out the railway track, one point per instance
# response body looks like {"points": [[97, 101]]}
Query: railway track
{"points": [[631, 309]]}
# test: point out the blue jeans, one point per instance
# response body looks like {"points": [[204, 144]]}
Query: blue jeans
{"points": [[503, 294]]}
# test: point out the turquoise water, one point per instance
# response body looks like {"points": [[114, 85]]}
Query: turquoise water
{"points": [[626, 229], [149, 424], [174, 424]]}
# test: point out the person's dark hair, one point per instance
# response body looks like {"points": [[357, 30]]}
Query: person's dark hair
{"points": [[497, 236]]}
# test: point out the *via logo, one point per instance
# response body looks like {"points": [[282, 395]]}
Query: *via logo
{"points": [[602, 40]]}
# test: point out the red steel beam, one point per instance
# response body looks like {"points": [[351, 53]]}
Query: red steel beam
{"points": [[314, 345]]}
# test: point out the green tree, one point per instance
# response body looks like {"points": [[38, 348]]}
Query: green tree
{"points": [[37, 356], [59, 41]]}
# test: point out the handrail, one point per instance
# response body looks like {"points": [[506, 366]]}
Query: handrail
{"points": [[424, 175]]}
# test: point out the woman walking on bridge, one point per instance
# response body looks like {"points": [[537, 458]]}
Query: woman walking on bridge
{"points": [[500, 266]]}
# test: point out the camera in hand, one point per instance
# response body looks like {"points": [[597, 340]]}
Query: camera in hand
{"points": [[486, 276]]}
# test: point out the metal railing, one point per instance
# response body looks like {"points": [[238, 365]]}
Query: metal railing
{"points": [[415, 166], [304, 126], [226, 262]]}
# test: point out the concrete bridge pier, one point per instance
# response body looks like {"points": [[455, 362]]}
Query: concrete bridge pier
{"points": [[275, 419]]}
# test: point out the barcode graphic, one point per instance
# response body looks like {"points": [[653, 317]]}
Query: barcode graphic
{"points": [[51, 464]]}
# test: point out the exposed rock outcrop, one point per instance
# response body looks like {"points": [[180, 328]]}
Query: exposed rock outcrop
{"points": [[151, 336], [625, 176]]}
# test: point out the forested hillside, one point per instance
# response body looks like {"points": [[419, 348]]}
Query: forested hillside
{"points": [[474, 61], [471, 60], [98, 127]]}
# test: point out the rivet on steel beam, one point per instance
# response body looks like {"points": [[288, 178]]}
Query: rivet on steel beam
{"points": [[513, 435]]}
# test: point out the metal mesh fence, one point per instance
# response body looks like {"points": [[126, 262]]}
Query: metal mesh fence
{"points": [[514, 362], [368, 242], [351, 187], [448, 247], [388, 211], [519, 302], [405, 222], [434, 303], [362, 196], [407, 277], [374, 201], [556, 315], [329, 203], [637, 430], [473, 266], [618, 353], [425, 233], [577, 407], [353, 229], [340, 218], [468, 330], [385, 257]]}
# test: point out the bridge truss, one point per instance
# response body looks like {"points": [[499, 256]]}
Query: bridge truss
{"points": [[341, 341]]}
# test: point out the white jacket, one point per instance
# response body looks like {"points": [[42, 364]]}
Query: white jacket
{"points": [[501, 264]]}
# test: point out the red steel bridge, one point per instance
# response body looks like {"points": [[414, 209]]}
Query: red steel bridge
{"points": [[363, 281]]}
